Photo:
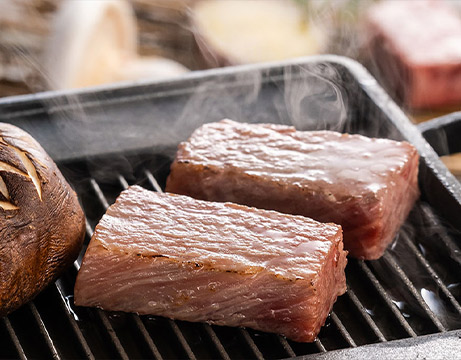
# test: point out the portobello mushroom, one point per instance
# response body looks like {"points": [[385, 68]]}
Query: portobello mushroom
{"points": [[42, 225]]}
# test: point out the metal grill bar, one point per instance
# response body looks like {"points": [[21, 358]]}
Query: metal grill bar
{"points": [[398, 270], [81, 339], [153, 181], [113, 336], [146, 337], [43, 330], [123, 182], [288, 349], [432, 273], [182, 340], [319, 345], [14, 338], [355, 300], [217, 343], [97, 189], [342, 329], [251, 344], [388, 301]]}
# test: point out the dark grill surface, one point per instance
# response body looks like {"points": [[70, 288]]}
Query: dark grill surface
{"points": [[413, 290]]}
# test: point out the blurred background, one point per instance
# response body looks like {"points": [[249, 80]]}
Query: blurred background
{"points": [[56, 44]]}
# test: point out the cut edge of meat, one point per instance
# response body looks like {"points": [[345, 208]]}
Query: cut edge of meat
{"points": [[302, 316]]}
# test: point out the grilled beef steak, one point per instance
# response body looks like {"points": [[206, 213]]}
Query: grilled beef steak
{"points": [[416, 49], [368, 186], [41, 223], [227, 264]]}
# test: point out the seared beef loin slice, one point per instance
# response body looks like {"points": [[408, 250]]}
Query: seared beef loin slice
{"points": [[368, 186], [226, 264], [414, 48]]}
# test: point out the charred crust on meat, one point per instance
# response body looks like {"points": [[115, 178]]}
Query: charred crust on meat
{"points": [[195, 265], [151, 256], [248, 271]]}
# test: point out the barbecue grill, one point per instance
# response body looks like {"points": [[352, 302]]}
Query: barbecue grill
{"points": [[405, 304]]}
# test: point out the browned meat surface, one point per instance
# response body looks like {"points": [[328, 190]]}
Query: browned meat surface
{"points": [[226, 264], [416, 46], [368, 186], [41, 222]]}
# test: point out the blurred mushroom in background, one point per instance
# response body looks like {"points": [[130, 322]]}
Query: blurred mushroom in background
{"points": [[95, 42]]}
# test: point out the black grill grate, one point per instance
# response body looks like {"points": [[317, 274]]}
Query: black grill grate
{"points": [[414, 290], [371, 311]]}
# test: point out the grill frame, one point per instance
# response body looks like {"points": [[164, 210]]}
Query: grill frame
{"points": [[44, 116], [442, 133]]}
